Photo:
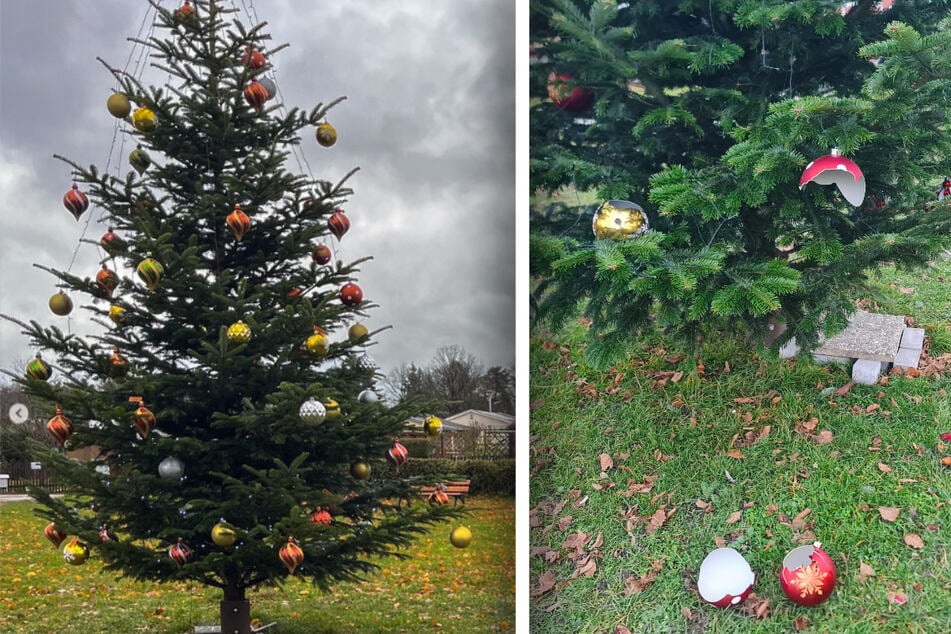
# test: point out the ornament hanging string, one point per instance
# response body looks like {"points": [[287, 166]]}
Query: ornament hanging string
{"points": [[302, 163], [148, 19]]}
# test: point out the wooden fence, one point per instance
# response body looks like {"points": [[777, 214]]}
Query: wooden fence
{"points": [[476, 444], [23, 475]]}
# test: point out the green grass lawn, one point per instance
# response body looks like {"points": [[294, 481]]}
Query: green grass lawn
{"points": [[441, 588], [639, 472]]}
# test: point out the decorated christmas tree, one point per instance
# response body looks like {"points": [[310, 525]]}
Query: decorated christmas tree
{"points": [[743, 163], [227, 405]]}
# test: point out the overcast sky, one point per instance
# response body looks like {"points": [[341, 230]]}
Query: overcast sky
{"points": [[429, 119]]}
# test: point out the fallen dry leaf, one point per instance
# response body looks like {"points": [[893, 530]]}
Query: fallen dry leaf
{"points": [[889, 513], [824, 437], [842, 391], [735, 517], [914, 541], [564, 522], [898, 598], [636, 586], [884, 468], [735, 453], [658, 519], [546, 583], [801, 623], [621, 629], [865, 571], [606, 461], [799, 522], [755, 605]]}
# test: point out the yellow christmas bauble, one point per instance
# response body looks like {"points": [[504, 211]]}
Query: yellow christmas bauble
{"points": [[326, 134], [223, 535], [75, 553], [117, 314], [143, 119], [118, 105], [460, 537], [61, 304], [238, 332], [432, 426], [317, 344], [619, 219], [332, 407]]}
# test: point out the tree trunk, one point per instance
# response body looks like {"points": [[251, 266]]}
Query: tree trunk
{"points": [[235, 612]]}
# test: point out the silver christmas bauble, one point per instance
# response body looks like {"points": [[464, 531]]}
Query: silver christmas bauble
{"points": [[171, 469], [313, 412], [368, 396]]}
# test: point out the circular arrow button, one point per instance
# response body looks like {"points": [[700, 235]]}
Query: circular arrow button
{"points": [[19, 413]]}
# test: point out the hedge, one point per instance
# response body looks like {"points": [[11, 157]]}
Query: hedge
{"points": [[489, 477]]}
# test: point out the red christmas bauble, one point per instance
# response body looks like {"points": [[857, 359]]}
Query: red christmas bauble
{"points": [[256, 94], [107, 535], [338, 223], [322, 517], [254, 59], [322, 254], [75, 201], [569, 98], [351, 294], [59, 427], [397, 454], [808, 575], [238, 223], [294, 293], [110, 242], [835, 169], [54, 535], [181, 553], [291, 555], [107, 280]]}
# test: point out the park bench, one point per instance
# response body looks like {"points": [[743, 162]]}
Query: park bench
{"points": [[456, 489]]}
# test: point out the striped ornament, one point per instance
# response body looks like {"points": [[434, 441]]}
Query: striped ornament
{"points": [[75, 201], [38, 369], [59, 427], [397, 454], [107, 535], [338, 223], [111, 243], [54, 535], [439, 497], [291, 555], [238, 223], [150, 272], [107, 280], [256, 94], [144, 421], [181, 553]]}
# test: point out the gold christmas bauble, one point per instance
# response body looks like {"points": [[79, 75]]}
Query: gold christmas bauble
{"points": [[75, 552], [357, 333], [460, 537], [118, 105], [238, 332], [332, 407], [618, 219], [223, 535], [360, 470], [143, 119], [61, 304]]}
